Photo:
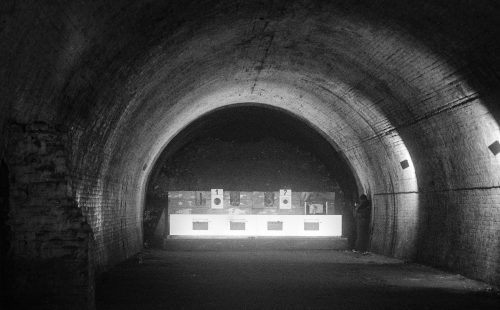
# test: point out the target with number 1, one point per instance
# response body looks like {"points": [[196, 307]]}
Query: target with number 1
{"points": [[217, 198]]}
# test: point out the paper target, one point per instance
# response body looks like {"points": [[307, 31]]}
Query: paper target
{"points": [[285, 198], [217, 198]]}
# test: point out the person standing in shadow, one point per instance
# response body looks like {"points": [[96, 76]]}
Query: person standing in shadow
{"points": [[362, 212]]}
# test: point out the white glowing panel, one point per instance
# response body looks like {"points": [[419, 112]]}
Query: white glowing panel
{"points": [[217, 198], [285, 198], [255, 225]]}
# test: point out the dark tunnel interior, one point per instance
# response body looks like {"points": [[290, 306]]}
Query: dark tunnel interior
{"points": [[112, 110], [249, 124]]}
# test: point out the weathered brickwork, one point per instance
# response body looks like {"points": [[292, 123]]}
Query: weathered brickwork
{"points": [[50, 238], [395, 224], [382, 81], [461, 231], [114, 226]]}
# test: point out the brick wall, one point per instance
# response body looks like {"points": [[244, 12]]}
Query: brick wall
{"points": [[357, 73], [50, 238], [109, 206], [395, 224], [461, 231], [458, 181]]}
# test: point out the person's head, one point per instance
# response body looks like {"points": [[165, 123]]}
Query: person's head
{"points": [[363, 197]]}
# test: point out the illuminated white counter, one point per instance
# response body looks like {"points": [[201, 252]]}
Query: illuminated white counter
{"points": [[255, 225]]}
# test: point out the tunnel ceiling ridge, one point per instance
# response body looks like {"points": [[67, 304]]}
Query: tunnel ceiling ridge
{"points": [[365, 84], [381, 76]]}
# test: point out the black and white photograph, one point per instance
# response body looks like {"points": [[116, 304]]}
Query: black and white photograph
{"points": [[249, 154]]}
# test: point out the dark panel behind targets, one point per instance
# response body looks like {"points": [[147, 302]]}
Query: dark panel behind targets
{"points": [[200, 225], [237, 225], [275, 225]]}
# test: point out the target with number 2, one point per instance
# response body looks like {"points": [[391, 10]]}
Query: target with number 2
{"points": [[285, 198]]}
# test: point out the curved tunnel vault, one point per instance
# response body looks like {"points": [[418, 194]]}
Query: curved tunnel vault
{"points": [[386, 158], [380, 97], [406, 93]]}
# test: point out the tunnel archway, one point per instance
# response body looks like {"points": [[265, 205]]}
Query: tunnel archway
{"points": [[249, 147], [381, 106], [318, 111], [406, 92]]}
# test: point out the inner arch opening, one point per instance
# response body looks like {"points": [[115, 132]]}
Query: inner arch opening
{"points": [[246, 148]]}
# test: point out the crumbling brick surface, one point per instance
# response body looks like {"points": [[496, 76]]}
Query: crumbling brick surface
{"points": [[50, 239]]}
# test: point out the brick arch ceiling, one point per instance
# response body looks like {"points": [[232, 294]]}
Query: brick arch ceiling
{"points": [[382, 88]]}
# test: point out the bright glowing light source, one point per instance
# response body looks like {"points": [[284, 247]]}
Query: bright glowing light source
{"points": [[255, 225]]}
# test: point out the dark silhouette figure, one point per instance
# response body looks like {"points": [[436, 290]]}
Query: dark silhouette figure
{"points": [[362, 212]]}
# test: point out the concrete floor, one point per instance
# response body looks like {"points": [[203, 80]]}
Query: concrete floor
{"points": [[313, 279]]}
